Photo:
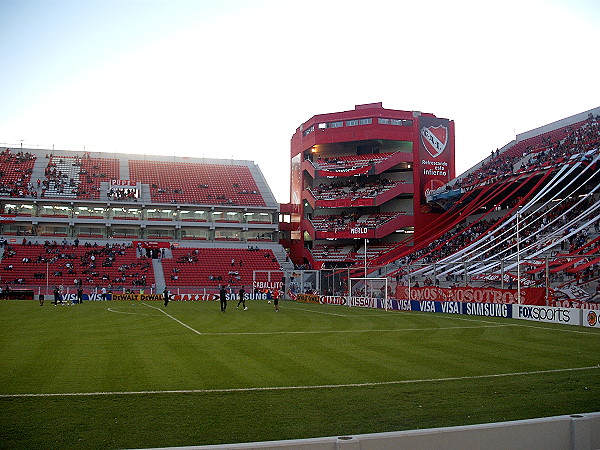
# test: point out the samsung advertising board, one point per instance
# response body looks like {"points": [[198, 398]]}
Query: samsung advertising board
{"points": [[487, 309], [549, 314]]}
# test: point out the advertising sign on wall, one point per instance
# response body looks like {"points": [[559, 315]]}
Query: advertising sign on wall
{"points": [[591, 318], [435, 144], [487, 309], [437, 307], [549, 314], [529, 296]]}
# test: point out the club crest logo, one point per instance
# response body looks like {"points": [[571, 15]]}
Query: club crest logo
{"points": [[434, 139]]}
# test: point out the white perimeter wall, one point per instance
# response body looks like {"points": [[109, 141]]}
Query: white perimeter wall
{"points": [[577, 432]]}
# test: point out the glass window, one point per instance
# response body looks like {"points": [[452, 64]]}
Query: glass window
{"points": [[383, 121], [351, 123], [308, 130], [365, 121]]}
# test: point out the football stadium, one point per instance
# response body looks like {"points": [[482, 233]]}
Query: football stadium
{"points": [[167, 301]]}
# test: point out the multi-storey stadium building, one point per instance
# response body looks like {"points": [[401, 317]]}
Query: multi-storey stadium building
{"points": [[364, 175]]}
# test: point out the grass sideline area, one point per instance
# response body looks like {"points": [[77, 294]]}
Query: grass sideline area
{"points": [[139, 375]]}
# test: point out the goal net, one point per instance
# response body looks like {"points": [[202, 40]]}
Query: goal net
{"points": [[368, 292]]}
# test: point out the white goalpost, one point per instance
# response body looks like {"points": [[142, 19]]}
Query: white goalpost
{"points": [[368, 292]]}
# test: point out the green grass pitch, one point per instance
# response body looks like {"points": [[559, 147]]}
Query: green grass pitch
{"points": [[127, 375]]}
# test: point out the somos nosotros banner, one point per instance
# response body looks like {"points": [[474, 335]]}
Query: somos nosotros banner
{"points": [[529, 296], [436, 149]]}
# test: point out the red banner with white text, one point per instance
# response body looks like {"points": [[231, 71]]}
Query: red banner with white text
{"points": [[529, 296]]}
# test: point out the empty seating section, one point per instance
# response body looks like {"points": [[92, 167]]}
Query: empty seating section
{"points": [[341, 222], [213, 184], [374, 250], [349, 253], [349, 162], [93, 266], [334, 253], [212, 267], [15, 173], [76, 177]]}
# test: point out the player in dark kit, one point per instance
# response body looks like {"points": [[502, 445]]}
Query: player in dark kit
{"points": [[166, 296], [242, 298], [223, 298]]}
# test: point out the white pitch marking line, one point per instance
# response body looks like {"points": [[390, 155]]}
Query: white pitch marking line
{"points": [[272, 333], [564, 330], [320, 312], [467, 319], [171, 317], [290, 388], [132, 313]]}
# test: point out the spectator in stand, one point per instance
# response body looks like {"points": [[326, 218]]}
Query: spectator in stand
{"points": [[596, 294]]}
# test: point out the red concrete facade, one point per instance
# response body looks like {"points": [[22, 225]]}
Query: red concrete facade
{"points": [[363, 174]]}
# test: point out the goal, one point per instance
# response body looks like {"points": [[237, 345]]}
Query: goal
{"points": [[368, 292]]}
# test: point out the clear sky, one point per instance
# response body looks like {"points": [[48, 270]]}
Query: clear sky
{"points": [[234, 79]]}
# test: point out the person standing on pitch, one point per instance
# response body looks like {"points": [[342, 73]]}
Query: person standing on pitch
{"points": [[242, 299], [223, 298], [57, 298], [276, 299], [166, 296]]}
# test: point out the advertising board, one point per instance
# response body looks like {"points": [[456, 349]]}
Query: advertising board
{"points": [[549, 314]]}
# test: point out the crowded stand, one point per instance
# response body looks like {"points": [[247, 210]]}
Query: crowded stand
{"points": [[15, 174], [352, 189], [77, 177], [334, 253], [123, 267], [553, 228], [349, 163], [544, 150], [345, 221], [122, 193], [91, 266]]}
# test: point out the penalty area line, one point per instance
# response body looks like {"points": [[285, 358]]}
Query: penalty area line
{"points": [[291, 388]]}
